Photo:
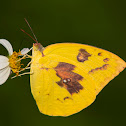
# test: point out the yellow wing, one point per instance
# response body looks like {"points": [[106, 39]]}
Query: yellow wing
{"points": [[67, 77]]}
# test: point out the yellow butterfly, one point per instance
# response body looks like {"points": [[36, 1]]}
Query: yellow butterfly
{"points": [[67, 77]]}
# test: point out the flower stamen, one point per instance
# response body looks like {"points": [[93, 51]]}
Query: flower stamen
{"points": [[15, 63]]}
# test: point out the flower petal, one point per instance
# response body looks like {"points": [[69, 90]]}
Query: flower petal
{"points": [[25, 51], [3, 62], [4, 74], [7, 45]]}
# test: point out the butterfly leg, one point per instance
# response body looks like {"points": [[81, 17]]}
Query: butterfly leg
{"points": [[22, 74], [25, 67]]}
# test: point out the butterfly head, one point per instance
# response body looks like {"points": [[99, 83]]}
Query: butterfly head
{"points": [[37, 46], [38, 49]]}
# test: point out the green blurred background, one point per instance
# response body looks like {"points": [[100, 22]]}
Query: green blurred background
{"points": [[95, 22]]}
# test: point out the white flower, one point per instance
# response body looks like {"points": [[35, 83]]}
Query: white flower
{"points": [[24, 51], [11, 62]]}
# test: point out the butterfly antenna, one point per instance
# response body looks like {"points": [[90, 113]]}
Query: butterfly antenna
{"points": [[29, 36], [31, 31]]}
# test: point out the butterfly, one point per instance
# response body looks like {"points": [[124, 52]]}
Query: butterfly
{"points": [[67, 77], [64, 78]]}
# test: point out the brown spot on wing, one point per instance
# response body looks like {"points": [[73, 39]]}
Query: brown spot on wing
{"points": [[92, 71], [59, 100], [104, 67], [67, 98], [100, 54], [44, 68], [106, 60], [83, 55], [69, 79]]}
